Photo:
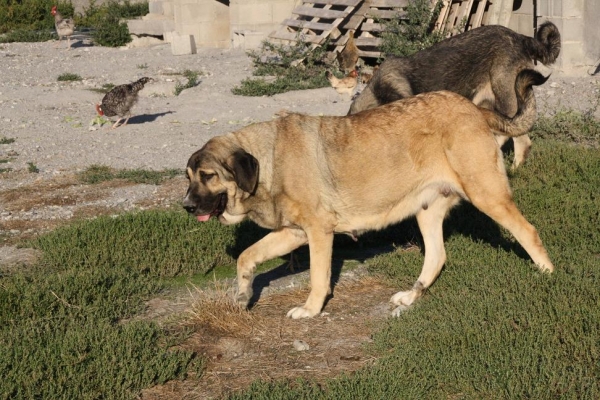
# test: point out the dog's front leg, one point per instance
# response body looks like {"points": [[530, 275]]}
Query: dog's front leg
{"points": [[320, 245], [275, 244]]}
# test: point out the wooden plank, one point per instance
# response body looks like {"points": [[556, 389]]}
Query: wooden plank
{"points": [[319, 12], [371, 54], [366, 41], [372, 27], [358, 17], [294, 36], [315, 26], [389, 3], [386, 14], [351, 3], [478, 16]]}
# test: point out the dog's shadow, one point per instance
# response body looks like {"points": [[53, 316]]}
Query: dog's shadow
{"points": [[464, 220]]}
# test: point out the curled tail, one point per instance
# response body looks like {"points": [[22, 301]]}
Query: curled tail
{"points": [[526, 114], [545, 47]]}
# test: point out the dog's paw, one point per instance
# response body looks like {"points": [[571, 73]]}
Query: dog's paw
{"points": [[301, 312], [405, 298], [243, 299], [399, 310]]}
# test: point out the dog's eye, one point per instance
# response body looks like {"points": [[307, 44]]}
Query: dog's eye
{"points": [[206, 177]]}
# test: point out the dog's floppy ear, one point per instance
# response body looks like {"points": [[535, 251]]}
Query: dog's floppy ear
{"points": [[244, 168]]}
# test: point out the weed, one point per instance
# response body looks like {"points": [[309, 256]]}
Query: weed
{"points": [[100, 173], [6, 140], [143, 66], [32, 168], [27, 36], [294, 67], [107, 87], [413, 32], [68, 77], [192, 80]]}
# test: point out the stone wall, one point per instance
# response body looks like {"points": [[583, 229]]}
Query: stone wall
{"points": [[577, 21]]}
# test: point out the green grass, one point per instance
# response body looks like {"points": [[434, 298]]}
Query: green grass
{"points": [[6, 140], [491, 327], [101, 173], [192, 80], [294, 67], [68, 77], [23, 36]]}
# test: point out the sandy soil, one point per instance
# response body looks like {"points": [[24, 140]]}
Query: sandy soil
{"points": [[49, 122]]}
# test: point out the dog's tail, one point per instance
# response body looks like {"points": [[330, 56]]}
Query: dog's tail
{"points": [[545, 47], [526, 114]]}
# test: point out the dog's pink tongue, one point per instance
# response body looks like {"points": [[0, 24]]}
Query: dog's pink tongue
{"points": [[203, 218]]}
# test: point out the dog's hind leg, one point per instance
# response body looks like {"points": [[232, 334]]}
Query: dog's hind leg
{"points": [[430, 222], [275, 244], [522, 146], [493, 197]]}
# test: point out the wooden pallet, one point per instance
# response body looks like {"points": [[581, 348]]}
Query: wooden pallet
{"points": [[315, 21], [458, 16]]}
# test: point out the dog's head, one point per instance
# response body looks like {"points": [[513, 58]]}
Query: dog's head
{"points": [[220, 178]]}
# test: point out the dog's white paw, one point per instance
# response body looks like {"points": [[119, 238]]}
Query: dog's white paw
{"points": [[300, 312], [243, 299], [405, 298], [399, 310]]}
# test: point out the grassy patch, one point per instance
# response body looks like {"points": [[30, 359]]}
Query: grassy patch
{"points": [[569, 126], [107, 87], [294, 67], [23, 36], [68, 77], [100, 173], [32, 168], [6, 140], [192, 80]]}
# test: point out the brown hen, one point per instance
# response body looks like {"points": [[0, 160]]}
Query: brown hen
{"points": [[120, 100], [348, 57], [64, 26]]}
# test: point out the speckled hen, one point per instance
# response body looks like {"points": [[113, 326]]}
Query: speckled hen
{"points": [[120, 100], [64, 26]]}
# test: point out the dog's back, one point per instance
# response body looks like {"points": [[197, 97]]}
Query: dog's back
{"points": [[481, 65]]}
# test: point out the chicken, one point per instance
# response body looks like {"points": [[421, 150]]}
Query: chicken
{"points": [[348, 57], [64, 26], [345, 85], [120, 100]]}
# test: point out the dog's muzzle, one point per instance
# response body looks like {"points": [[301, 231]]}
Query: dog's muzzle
{"points": [[203, 214]]}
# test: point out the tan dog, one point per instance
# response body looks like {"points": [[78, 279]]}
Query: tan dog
{"points": [[307, 178]]}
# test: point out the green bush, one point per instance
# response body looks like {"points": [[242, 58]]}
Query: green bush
{"points": [[31, 15], [24, 36], [68, 77], [294, 67], [406, 35]]}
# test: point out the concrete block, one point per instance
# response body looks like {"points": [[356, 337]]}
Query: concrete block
{"points": [[572, 29], [155, 7], [183, 45], [572, 8], [248, 40], [168, 36], [147, 27]]}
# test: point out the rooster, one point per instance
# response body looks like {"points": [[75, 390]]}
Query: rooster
{"points": [[64, 26], [348, 57], [120, 100], [345, 85]]}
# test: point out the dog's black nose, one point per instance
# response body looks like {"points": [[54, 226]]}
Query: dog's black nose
{"points": [[189, 206]]}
